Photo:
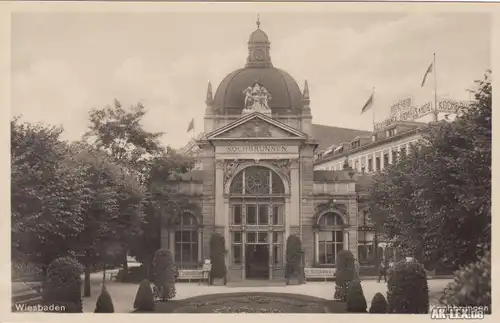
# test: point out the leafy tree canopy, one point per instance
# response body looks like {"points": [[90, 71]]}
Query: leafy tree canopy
{"points": [[435, 204]]}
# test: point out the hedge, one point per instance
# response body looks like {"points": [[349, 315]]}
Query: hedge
{"points": [[379, 304], [408, 291], [471, 285], [62, 285]]}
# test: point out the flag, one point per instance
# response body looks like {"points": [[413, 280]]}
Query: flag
{"points": [[191, 125], [368, 104], [429, 70]]}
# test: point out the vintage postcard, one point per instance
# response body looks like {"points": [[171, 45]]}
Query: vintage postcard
{"points": [[250, 158]]}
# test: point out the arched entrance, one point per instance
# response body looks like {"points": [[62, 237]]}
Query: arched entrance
{"points": [[257, 222]]}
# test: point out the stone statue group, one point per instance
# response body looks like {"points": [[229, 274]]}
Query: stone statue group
{"points": [[256, 99]]}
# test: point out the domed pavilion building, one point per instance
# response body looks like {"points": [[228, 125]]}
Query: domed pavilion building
{"points": [[256, 185]]}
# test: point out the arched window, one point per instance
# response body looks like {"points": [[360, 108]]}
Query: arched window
{"points": [[257, 180], [330, 238], [186, 241]]}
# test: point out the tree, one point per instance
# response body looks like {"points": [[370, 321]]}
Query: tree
{"points": [[48, 192], [163, 204], [114, 211], [436, 203], [118, 132]]}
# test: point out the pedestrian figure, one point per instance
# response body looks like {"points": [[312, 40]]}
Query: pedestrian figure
{"points": [[382, 271]]}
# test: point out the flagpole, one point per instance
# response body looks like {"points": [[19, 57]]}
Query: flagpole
{"points": [[373, 108], [193, 130], [435, 89]]}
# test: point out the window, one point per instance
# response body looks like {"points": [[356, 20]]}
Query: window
{"points": [[355, 144], [186, 240], [377, 163], [257, 237], [366, 249], [237, 247], [391, 132], [277, 248], [356, 165], [277, 217], [330, 244], [256, 214], [237, 218], [257, 180], [251, 215], [386, 159], [263, 215], [330, 238], [370, 164]]}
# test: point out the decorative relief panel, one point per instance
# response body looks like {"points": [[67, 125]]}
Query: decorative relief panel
{"points": [[283, 168], [230, 167]]}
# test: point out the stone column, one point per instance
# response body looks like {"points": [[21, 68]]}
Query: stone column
{"points": [[352, 210], [390, 156], [346, 240], [208, 206], [219, 193], [294, 194]]}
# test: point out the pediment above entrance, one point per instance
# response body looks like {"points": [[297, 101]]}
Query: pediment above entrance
{"points": [[256, 126]]}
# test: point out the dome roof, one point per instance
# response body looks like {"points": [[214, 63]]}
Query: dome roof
{"points": [[285, 93], [258, 36]]}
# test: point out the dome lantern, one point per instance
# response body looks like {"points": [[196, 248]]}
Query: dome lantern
{"points": [[259, 49]]}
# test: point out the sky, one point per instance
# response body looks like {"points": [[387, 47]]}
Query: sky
{"points": [[64, 64]]}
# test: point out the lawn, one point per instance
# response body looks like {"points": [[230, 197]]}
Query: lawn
{"points": [[255, 302]]}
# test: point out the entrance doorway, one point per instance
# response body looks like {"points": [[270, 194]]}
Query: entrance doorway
{"points": [[257, 261]]}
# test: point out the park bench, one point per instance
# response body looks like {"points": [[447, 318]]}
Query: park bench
{"points": [[323, 274], [190, 274]]}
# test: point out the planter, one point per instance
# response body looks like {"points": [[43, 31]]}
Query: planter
{"points": [[295, 280], [219, 282]]}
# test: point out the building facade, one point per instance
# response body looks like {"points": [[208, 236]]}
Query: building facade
{"points": [[256, 185], [392, 137]]}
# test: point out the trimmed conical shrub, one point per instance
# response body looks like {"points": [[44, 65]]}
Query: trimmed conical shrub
{"points": [[379, 304], [293, 258], [345, 273], [356, 302], [144, 300], [164, 274], [217, 257], [104, 302], [62, 285]]}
